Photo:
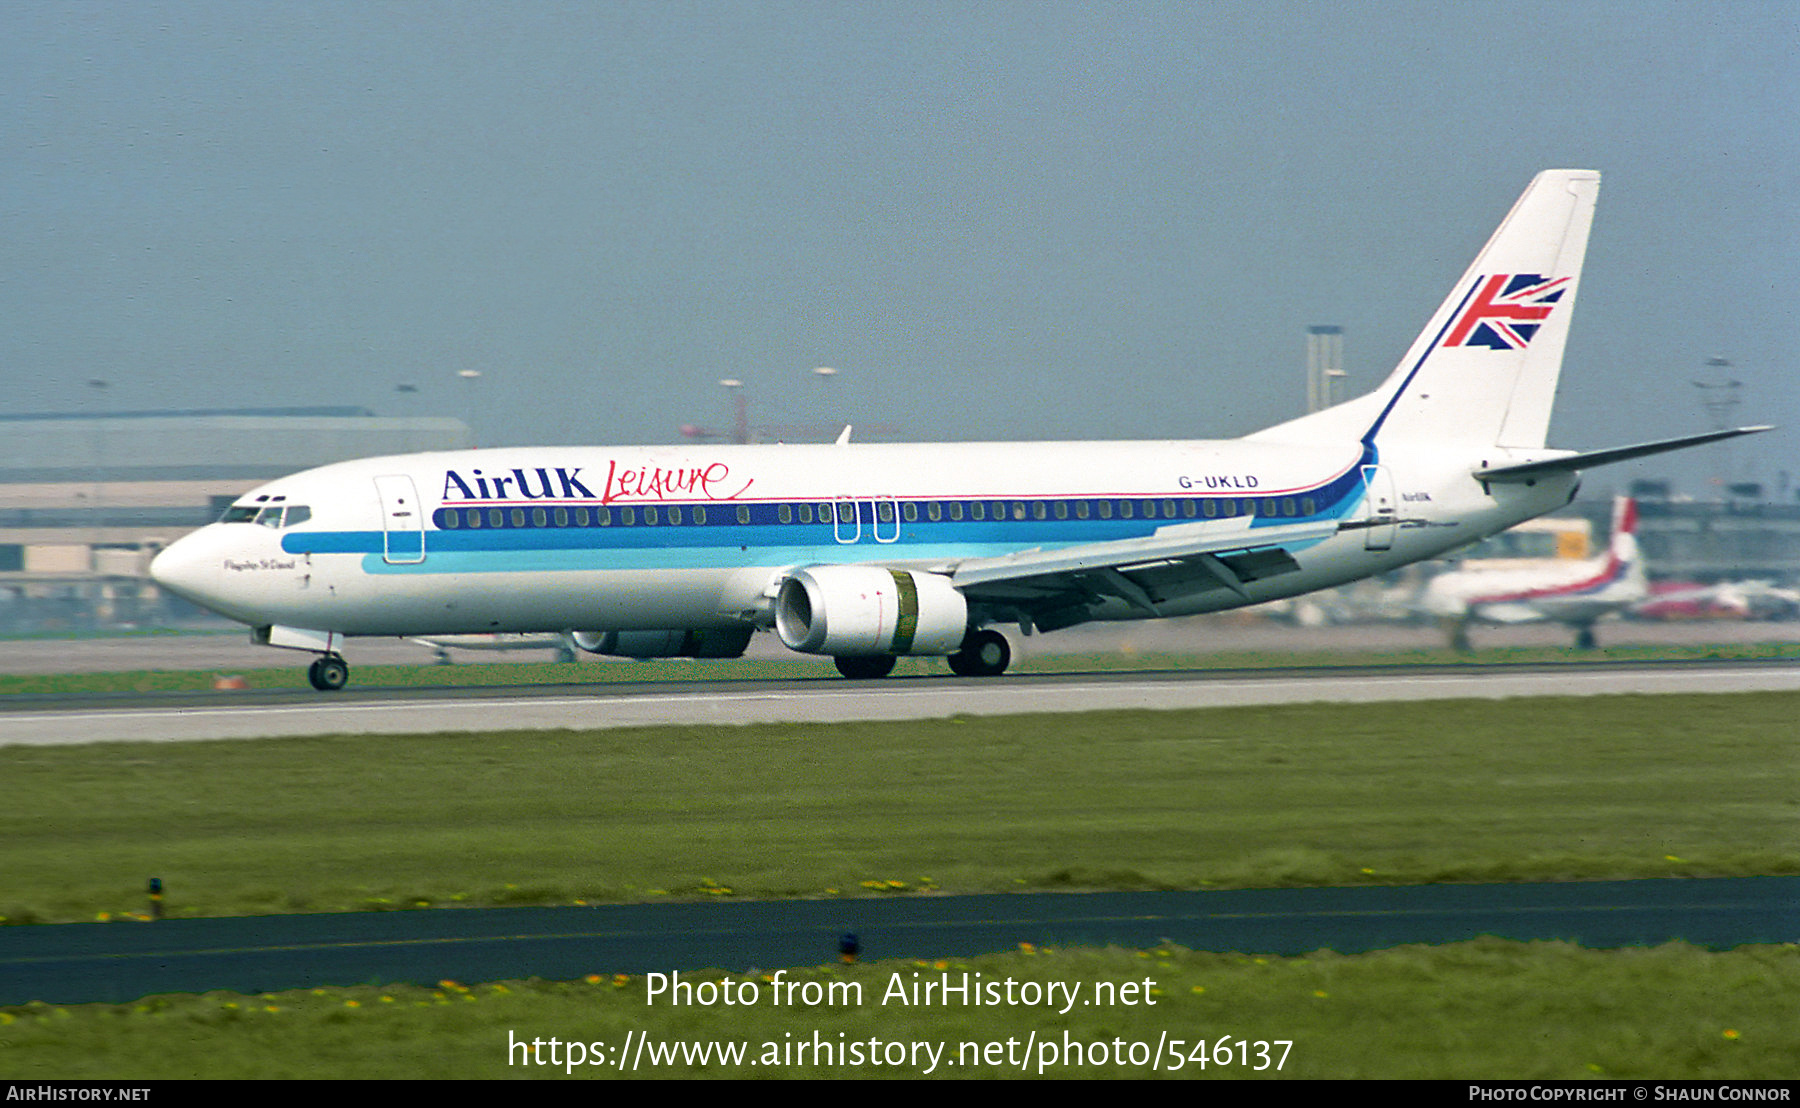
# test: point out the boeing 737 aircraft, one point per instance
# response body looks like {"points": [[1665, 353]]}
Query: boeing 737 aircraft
{"points": [[1578, 593], [867, 552]]}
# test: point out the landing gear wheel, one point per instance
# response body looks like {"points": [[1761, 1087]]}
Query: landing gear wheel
{"points": [[1459, 635], [983, 653], [1585, 639], [329, 673], [864, 667]]}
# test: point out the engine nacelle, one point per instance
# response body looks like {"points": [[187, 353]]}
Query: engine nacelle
{"points": [[857, 610], [709, 643]]}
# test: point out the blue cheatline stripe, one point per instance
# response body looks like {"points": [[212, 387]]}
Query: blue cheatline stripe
{"points": [[723, 542], [663, 518], [711, 557]]}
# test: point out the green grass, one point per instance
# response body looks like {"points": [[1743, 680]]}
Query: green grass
{"points": [[1313, 794], [1482, 1009], [293, 675], [1518, 790]]}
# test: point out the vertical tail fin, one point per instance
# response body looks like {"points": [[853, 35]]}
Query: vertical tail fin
{"points": [[1623, 545], [1484, 369]]}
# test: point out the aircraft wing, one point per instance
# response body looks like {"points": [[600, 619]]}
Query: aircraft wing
{"points": [[1177, 561]]}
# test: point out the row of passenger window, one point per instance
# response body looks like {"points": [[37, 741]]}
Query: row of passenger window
{"points": [[851, 513], [1209, 508]]}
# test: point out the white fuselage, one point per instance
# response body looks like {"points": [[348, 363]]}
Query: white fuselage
{"points": [[649, 538]]}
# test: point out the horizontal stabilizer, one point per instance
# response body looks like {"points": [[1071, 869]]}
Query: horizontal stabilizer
{"points": [[1569, 463]]}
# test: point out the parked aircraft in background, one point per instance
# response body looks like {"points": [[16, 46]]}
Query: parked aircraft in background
{"points": [[1690, 600], [1578, 593], [865, 552]]}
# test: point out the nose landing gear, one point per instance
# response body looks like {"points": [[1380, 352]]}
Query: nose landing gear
{"points": [[329, 673]]}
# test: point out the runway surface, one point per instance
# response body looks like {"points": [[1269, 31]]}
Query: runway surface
{"points": [[226, 651], [119, 962], [175, 717]]}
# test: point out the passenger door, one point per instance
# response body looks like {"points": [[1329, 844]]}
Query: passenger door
{"points": [[402, 521], [1379, 504]]}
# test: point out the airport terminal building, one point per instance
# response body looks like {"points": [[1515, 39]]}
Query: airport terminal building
{"points": [[86, 500]]}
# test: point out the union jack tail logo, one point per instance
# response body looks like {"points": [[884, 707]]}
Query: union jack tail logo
{"points": [[1507, 311]]}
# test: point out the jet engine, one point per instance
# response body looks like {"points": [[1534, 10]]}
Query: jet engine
{"points": [[708, 643], [860, 610]]}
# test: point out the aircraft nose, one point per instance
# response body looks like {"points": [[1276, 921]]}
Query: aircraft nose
{"points": [[186, 569]]}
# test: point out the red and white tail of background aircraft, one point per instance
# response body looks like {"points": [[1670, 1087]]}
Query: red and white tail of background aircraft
{"points": [[864, 552], [1578, 593]]}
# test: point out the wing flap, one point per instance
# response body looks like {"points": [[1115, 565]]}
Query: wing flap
{"points": [[1181, 542], [1144, 572]]}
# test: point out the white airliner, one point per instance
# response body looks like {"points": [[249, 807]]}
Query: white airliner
{"points": [[1578, 593], [868, 551]]}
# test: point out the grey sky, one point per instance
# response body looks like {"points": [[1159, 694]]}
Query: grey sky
{"points": [[997, 220]]}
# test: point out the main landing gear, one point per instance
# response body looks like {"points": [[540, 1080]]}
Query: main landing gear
{"points": [[864, 667], [984, 653], [329, 673]]}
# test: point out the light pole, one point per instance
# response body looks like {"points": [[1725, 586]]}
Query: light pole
{"points": [[740, 420], [97, 609], [824, 375], [1720, 399], [1324, 364], [99, 482], [471, 376]]}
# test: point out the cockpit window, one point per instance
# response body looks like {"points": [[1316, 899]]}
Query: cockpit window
{"points": [[274, 516]]}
